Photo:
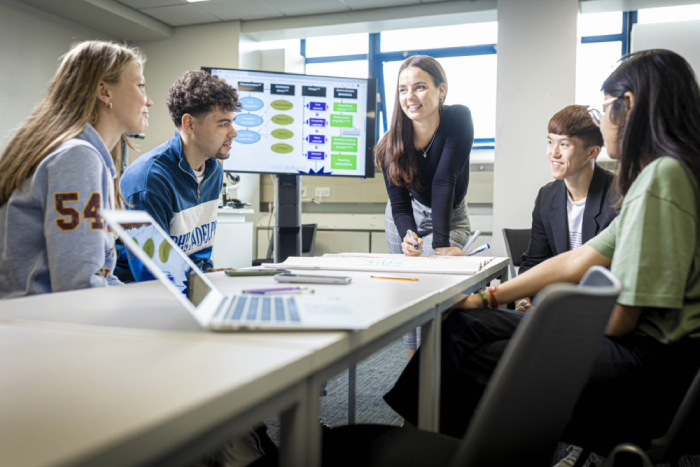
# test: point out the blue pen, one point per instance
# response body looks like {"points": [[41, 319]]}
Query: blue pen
{"points": [[416, 243], [479, 250]]}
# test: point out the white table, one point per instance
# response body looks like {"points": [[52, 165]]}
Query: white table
{"points": [[285, 374], [112, 398]]}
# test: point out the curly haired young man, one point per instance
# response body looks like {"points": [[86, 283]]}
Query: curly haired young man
{"points": [[179, 182]]}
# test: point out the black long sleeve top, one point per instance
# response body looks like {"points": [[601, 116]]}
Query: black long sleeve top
{"points": [[444, 176]]}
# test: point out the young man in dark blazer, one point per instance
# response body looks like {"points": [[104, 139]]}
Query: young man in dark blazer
{"points": [[579, 204]]}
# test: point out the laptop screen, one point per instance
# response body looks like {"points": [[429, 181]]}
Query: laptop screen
{"points": [[168, 257]]}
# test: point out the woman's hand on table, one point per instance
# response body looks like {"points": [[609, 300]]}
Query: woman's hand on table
{"points": [[449, 251]]}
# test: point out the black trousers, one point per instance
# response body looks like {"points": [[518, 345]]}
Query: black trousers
{"points": [[633, 391]]}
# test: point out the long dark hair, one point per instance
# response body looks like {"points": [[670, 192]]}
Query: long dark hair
{"points": [[665, 120], [392, 153]]}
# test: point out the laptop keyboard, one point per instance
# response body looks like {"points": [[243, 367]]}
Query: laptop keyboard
{"points": [[251, 308]]}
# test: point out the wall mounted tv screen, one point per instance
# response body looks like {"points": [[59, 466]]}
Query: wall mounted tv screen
{"points": [[300, 124]]}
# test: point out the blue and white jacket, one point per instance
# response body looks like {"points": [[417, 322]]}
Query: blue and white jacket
{"points": [[162, 183]]}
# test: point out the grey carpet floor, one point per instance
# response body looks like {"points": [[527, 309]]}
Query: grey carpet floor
{"points": [[375, 376]]}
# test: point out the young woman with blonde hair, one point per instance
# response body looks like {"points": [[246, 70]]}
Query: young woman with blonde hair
{"points": [[61, 169]]}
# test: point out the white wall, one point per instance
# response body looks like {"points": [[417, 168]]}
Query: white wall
{"points": [[190, 48], [32, 43], [536, 78], [680, 37]]}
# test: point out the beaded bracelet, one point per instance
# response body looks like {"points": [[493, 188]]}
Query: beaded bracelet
{"points": [[484, 300], [492, 296]]}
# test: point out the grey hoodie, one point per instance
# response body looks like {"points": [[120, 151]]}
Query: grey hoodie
{"points": [[52, 237]]}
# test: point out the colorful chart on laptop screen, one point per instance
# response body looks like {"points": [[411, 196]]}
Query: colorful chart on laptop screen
{"points": [[161, 252]]}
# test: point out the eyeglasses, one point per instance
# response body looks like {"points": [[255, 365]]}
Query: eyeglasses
{"points": [[596, 114]]}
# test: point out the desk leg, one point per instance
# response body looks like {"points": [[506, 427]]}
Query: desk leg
{"points": [[314, 433], [352, 393], [429, 384], [293, 426]]}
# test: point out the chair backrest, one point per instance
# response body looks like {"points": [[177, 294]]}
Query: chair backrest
{"points": [[308, 238], [517, 241], [683, 425], [533, 390]]}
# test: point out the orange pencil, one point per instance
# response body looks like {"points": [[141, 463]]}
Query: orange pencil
{"points": [[393, 278]]}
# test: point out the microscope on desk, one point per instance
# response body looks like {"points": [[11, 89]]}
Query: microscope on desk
{"points": [[231, 182]]}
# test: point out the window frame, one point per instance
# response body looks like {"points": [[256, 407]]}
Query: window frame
{"points": [[376, 59], [629, 19]]}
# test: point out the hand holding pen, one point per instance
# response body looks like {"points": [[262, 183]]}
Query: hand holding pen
{"points": [[472, 239], [481, 249], [412, 244]]}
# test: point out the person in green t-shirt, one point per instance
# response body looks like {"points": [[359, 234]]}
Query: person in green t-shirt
{"points": [[650, 121]]}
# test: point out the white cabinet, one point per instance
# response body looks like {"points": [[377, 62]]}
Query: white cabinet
{"points": [[358, 233], [338, 241], [233, 245], [378, 242]]}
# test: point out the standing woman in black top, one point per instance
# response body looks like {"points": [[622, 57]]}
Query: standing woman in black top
{"points": [[425, 160]]}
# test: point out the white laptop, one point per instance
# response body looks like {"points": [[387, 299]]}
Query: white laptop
{"points": [[212, 309]]}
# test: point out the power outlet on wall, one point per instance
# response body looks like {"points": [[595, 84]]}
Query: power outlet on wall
{"points": [[322, 192]]}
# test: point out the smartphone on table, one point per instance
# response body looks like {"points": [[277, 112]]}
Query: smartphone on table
{"points": [[312, 279], [256, 272]]}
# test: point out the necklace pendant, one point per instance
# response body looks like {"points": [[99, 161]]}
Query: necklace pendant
{"points": [[425, 151]]}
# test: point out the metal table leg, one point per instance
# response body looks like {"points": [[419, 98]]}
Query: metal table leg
{"points": [[429, 384], [294, 425], [352, 394]]}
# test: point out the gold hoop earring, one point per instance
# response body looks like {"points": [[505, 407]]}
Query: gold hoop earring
{"points": [[110, 105]]}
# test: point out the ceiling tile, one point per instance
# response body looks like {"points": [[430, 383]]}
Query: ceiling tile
{"points": [[307, 7], [369, 4], [182, 15], [139, 4], [229, 10]]}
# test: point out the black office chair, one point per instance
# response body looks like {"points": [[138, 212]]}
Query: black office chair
{"points": [[517, 242], [308, 244], [682, 434], [680, 437], [528, 401]]}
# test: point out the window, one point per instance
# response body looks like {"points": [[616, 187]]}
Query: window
{"points": [[350, 69], [594, 63], [471, 82], [604, 40], [345, 44], [600, 24], [467, 52], [439, 37], [668, 14]]}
